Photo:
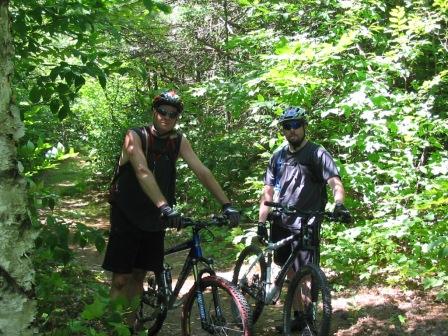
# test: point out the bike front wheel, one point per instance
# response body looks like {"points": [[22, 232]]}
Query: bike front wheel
{"points": [[308, 294], [215, 307], [251, 280]]}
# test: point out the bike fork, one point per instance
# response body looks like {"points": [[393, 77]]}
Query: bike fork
{"points": [[199, 295]]}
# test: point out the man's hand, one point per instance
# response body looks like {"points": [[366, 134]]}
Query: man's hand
{"points": [[172, 218], [341, 213], [231, 213], [262, 231]]}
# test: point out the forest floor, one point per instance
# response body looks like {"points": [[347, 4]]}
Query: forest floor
{"points": [[378, 310]]}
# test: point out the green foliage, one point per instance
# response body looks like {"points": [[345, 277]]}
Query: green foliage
{"points": [[375, 86], [372, 74], [61, 282]]}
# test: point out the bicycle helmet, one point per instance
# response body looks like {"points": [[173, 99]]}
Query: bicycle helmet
{"points": [[168, 98], [293, 113]]}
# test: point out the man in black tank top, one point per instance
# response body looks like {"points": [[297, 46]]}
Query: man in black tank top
{"points": [[143, 195], [297, 175]]}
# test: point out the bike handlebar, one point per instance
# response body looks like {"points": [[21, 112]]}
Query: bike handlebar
{"points": [[200, 224], [293, 211]]}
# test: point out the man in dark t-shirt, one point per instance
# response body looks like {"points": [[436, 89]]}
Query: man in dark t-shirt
{"points": [[297, 175]]}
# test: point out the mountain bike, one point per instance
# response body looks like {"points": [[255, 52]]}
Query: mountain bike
{"points": [[308, 291], [213, 305]]}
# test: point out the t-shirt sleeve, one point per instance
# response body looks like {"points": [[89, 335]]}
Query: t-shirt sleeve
{"points": [[269, 176], [326, 164]]}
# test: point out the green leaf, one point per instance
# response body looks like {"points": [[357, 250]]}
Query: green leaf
{"points": [[102, 80], [100, 243], [54, 106], [149, 4], [54, 73], [244, 2], [164, 7], [121, 329], [79, 81], [445, 252], [30, 146], [35, 94], [69, 77], [62, 88], [51, 202], [94, 310], [46, 92], [63, 111], [76, 326]]}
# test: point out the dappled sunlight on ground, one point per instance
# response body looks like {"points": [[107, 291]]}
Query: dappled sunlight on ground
{"points": [[388, 311]]}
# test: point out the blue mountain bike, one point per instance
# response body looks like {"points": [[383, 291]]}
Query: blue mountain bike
{"points": [[213, 305]]}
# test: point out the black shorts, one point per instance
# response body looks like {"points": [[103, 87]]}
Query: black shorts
{"points": [[282, 254], [130, 247]]}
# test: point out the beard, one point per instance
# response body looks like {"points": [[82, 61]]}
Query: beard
{"points": [[296, 142]]}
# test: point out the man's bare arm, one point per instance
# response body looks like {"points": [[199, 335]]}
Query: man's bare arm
{"points": [[132, 151], [336, 186]]}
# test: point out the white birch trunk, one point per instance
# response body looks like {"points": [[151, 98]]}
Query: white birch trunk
{"points": [[17, 304]]}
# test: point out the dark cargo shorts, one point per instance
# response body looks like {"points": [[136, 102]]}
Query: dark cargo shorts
{"points": [[130, 247], [282, 254]]}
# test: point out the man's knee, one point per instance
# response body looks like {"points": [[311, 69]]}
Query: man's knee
{"points": [[138, 275], [120, 281]]}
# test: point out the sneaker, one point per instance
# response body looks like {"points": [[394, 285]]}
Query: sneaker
{"points": [[297, 325]]}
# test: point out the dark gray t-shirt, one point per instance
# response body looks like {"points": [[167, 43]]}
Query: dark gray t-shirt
{"points": [[299, 179]]}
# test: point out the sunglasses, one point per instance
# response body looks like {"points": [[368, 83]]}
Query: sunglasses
{"points": [[294, 124], [165, 113]]}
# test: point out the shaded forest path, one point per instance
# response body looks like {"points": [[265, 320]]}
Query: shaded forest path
{"points": [[378, 310]]}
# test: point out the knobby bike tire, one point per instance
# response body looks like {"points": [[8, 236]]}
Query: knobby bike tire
{"points": [[152, 311], [220, 298], [317, 323], [252, 287]]}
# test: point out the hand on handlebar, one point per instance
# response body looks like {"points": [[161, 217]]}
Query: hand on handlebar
{"points": [[171, 217], [231, 213], [341, 213]]}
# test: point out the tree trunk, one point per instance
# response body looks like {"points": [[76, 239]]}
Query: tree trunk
{"points": [[227, 60], [17, 305]]}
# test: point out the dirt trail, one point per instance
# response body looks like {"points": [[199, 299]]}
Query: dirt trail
{"points": [[361, 311]]}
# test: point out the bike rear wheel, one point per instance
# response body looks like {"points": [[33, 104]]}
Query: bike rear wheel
{"points": [[223, 307], [252, 285], [152, 310], [311, 285]]}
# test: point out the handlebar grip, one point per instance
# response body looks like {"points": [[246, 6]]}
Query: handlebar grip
{"points": [[186, 221], [272, 204]]}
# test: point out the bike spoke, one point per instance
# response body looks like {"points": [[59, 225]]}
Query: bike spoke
{"points": [[251, 278], [223, 312]]}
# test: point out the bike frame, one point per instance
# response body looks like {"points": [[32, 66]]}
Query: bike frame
{"points": [[273, 289], [191, 264]]}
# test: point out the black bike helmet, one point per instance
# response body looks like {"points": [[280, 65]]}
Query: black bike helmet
{"points": [[293, 113], [168, 98]]}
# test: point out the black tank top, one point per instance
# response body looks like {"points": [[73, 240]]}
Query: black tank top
{"points": [[161, 155]]}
